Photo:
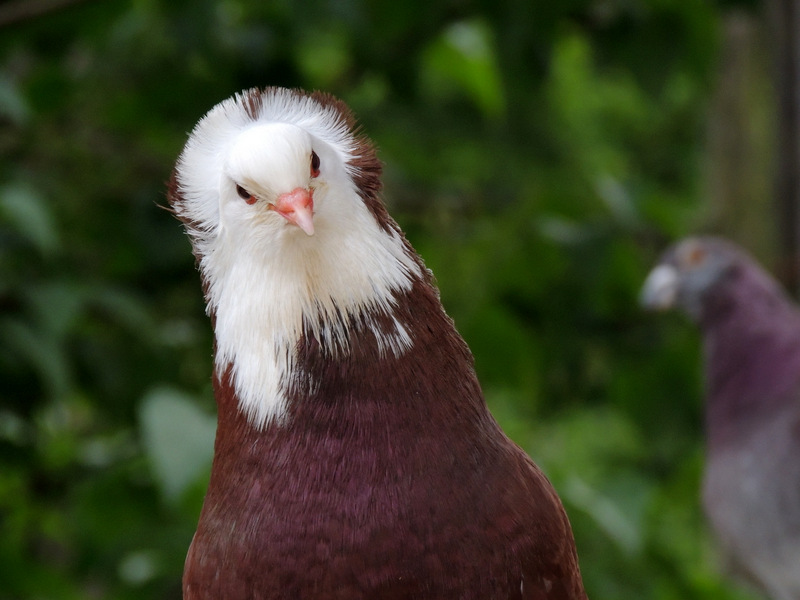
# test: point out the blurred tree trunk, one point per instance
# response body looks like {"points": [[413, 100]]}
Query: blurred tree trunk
{"points": [[784, 21], [741, 147]]}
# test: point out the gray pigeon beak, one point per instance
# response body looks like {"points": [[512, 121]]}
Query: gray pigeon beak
{"points": [[660, 289]]}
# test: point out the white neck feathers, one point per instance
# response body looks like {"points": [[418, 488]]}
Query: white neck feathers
{"points": [[268, 282]]}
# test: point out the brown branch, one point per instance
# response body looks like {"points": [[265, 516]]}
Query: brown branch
{"points": [[24, 10]]}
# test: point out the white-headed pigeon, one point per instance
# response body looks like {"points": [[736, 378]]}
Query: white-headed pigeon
{"points": [[355, 456], [751, 336]]}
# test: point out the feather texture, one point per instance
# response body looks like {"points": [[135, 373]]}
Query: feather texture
{"points": [[355, 455]]}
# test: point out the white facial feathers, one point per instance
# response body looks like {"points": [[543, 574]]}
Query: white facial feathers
{"points": [[269, 159], [266, 279]]}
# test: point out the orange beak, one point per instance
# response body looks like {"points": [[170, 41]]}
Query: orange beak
{"points": [[297, 207]]}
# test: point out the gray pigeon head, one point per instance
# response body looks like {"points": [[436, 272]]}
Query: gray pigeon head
{"points": [[688, 272]]}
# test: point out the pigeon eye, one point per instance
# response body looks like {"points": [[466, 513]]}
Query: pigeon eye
{"points": [[695, 256], [245, 195], [314, 164]]}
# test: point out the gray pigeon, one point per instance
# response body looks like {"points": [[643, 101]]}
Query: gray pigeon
{"points": [[751, 344]]}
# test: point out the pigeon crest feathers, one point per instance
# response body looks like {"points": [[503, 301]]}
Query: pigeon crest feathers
{"points": [[267, 282]]}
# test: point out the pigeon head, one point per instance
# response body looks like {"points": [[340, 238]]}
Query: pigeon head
{"points": [[275, 169], [693, 275], [751, 329], [279, 195]]}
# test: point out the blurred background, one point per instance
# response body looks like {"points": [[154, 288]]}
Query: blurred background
{"points": [[538, 154]]}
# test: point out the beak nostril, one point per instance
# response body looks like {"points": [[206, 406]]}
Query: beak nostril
{"points": [[297, 207]]}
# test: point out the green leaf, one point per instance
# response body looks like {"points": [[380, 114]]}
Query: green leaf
{"points": [[12, 103], [43, 352], [323, 58], [463, 61], [27, 212], [178, 439]]}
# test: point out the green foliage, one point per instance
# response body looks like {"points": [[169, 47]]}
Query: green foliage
{"points": [[461, 61], [538, 154], [179, 458]]}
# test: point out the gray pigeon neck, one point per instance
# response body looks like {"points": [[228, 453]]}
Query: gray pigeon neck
{"points": [[752, 357]]}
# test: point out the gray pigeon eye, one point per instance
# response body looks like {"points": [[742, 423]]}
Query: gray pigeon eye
{"points": [[243, 193]]}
